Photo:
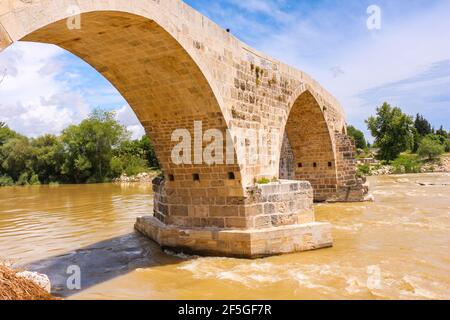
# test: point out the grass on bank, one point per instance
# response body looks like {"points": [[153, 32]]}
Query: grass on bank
{"points": [[13, 287]]}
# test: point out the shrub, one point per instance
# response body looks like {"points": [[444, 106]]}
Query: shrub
{"points": [[6, 180], [407, 164], [23, 179], [263, 181], [430, 148], [363, 170], [34, 180], [447, 145], [128, 164]]}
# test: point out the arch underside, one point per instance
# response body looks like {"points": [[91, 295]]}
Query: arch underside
{"points": [[167, 90], [307, 152]]}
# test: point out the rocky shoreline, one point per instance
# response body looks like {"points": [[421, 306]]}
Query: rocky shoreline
{"points": [[144, 177], [441, 166], [23, 285]]}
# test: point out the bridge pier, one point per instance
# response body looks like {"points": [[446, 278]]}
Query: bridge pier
{"points": [[270, 219]]}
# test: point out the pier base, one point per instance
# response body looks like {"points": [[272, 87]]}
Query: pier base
{"points": [[251, 244], [271, 219]]}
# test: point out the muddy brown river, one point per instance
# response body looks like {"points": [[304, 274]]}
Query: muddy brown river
{"points": [[397, 247]]}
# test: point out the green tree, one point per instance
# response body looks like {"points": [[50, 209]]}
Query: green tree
{"points": [[358, 136], [393, 131], [6, 133], [142, 148], [89, 147], [96, 150], [150, 154], [442, 132], [423, 128], [128, 164], [48, 158], [422, 125], [16, 157], [444, 138], [430, 147]]}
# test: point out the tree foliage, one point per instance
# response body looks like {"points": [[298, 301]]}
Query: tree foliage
{"points": [[393, 131], [407, 163], [431, 147], [97, 150], [422, 125], [89, 147], [443, 133], [358, 136]]}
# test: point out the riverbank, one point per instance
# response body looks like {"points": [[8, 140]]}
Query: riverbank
{"points": [[17, 285], [143, 177], [409, 166]]}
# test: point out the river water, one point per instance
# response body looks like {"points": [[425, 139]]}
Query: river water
{"points": [[396, 247]]}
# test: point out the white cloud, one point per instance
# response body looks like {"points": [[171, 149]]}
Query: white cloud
{"points": [[33, 101], [127, 117], [42, 94], [410, 42]]}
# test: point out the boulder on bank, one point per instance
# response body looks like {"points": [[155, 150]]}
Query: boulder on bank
{"points": [[25, 285], [40, 279]]}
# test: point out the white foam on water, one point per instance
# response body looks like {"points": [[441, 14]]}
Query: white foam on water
{"points": [[354, 285], [180, 255], [353, 227], [425, 289], [333, 278], [383, 193]]}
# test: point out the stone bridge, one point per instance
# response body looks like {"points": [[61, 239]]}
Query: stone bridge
{"points": [[177, 69]]}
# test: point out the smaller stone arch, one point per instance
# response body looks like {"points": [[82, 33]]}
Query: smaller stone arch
{"points": [[308, 151]]}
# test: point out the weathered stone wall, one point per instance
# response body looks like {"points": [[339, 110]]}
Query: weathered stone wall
{"points": [[350, 187], [264, 206], [287, 160]]}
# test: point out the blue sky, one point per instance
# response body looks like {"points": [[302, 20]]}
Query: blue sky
{"points": [[406, 62]]}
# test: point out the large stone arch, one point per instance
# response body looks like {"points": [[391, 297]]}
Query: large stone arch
{"points": [[168, 90], [307, 151]]}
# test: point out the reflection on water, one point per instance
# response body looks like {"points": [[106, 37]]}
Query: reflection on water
{"points": [[396, 247]]}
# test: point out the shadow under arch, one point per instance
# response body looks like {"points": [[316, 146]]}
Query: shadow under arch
{"points": [[307, 151], [101, 262]]}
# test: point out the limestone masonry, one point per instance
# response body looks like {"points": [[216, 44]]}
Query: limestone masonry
{"points": [[174, 67]]}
